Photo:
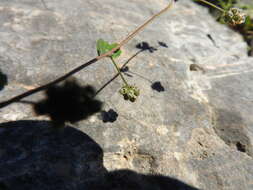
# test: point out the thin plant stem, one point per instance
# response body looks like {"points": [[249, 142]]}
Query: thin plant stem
{"points": [[79, 68], [212, 5], [116, 75], [116, 66]]}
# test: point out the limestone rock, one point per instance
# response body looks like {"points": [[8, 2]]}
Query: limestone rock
{"points": [[198, 129]]}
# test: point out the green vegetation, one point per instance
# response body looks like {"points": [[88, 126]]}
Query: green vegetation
{"points": [[129, 92], [242, 24]]}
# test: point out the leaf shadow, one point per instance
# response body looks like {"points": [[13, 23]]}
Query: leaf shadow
{"points": [[146, 47], [109, 116]]}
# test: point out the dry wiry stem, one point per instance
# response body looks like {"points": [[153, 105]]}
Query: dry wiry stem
{"points": [[212, 5], [77, 69]]}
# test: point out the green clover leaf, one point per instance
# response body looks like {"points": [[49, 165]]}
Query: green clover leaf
{"points": [[104, 46]]}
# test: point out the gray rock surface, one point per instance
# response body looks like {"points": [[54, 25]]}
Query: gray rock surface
{"points": [[199, 130], [248, 4]]}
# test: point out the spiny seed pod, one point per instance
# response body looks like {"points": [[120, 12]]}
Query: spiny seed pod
{"points": [[234, 16], [129, 92]]}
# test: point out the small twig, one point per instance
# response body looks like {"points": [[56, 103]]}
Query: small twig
{"points": [[116, 75], [109, 53], [212, 5]]}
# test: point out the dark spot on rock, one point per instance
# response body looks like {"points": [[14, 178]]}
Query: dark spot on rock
{"points": [[200, 143], [163, 44], [124, 69], [230, 127], [109, 116], [212, 40], [196, 67], [145, 46], [240, 147], [157, 86]]}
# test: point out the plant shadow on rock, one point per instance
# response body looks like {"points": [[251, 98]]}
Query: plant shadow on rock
{"points": [[157, 86], [109, 116], [145, 46], [68, 102], [37, 156]]}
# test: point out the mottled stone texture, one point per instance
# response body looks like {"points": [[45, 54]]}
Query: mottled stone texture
{"points": [[198, 128]]}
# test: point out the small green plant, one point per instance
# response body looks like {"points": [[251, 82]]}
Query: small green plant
{"points": [[129, 92], [104, 50], [229, 14], [234, 16], [239, 19]]}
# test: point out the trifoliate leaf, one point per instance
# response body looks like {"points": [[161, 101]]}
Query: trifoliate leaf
{"points": [[116, 53], [3, 80], [104, 46]]}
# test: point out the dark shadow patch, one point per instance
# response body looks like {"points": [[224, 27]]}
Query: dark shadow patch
{"points": [[109, 116], [130, 180], [3, 80], [196, 67], [37, 156], [162, 44], [157, 86], [229, 126], [240, 147], [3, 187], [145, 46], [68, 102]]}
